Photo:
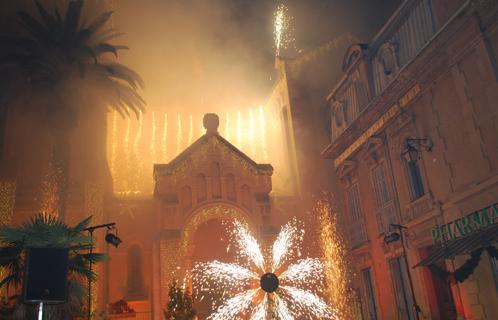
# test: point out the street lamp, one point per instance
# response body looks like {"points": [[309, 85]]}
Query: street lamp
{"points": [[395, 236], [411, 152], [109, 238]]}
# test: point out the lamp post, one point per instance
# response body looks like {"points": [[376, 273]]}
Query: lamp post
{"points": [[109, 238], [395, 236], [411, 152]]}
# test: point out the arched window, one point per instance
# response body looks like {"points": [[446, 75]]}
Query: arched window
{"points": [[135, 289], [231, 193], [201, 188], [186, 198], [216, 180], [245, 192]]}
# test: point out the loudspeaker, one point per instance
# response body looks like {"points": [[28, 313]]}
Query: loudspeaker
{"points": [[45, 276]]}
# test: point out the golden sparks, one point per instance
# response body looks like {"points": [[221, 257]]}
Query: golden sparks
{"points": [[282, 29], [336, 265]]}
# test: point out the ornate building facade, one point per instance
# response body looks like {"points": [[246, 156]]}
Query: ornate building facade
{"points": [[413, 142], [210, 180], [207, 184]]}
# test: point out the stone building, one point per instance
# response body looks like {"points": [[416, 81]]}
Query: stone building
{"points": [[413, 140], [210, 180]]}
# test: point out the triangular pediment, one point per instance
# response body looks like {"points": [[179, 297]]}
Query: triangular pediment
{"points": [[197, 152]]}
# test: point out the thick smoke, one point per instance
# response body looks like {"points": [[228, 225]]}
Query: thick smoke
{"points": [[217, 55]]}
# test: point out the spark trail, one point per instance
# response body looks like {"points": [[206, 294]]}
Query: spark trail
{"points": [[242, 289]]}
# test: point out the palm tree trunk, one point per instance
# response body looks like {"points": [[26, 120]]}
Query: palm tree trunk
{"points": [[55, 186]]}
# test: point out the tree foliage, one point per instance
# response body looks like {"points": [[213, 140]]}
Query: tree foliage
{"points": [[47, 231], [57, 67], [180, 306], [67, 61]]}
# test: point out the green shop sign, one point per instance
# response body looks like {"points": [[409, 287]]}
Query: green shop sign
{"points": [[465, 225]]}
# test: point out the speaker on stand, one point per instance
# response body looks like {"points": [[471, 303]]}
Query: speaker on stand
{"points": [[45, 276]]}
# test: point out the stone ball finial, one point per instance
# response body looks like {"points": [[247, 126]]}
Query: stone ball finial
{"points": [[211, 121]]}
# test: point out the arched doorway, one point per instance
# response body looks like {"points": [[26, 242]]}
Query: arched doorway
{"points": [[206, 238]]}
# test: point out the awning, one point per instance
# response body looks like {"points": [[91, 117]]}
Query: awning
{"points": [[472, 242]]}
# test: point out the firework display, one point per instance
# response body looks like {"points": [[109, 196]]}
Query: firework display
{"points": [[282, 29], [276, 283]]}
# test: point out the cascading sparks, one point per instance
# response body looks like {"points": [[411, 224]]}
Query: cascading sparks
{"points": [[191, 131], [134, 146], [339, 291], [227, 126], [127, 157], [178, 135], [241, 289], [262, 132], [282, 29], [239, 130], [153, 152], [165, 138], [252, 143], [113, 143]]}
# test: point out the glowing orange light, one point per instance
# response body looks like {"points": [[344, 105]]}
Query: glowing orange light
{"points": [[178, 135], [165, 138]]}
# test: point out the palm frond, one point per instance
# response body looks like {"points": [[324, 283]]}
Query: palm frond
{"points": [[107, 35], [73, 15], [83, 35], [11, 235], [96, 24], [82, 269], [94, 257], [106, 47], [34, 27], [49, 20], [80, 247], [10, 280], [84, 53], [9, 254], [128, 97], [82, 224], [121, 72], [19, 44]]}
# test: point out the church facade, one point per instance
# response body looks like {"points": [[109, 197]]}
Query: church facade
{"points": [[209, 183]]}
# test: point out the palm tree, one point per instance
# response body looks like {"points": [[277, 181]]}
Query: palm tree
{"points": [[48, 231], [66, 66]]}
